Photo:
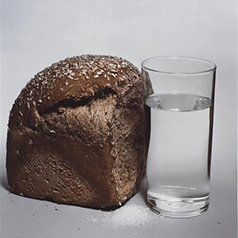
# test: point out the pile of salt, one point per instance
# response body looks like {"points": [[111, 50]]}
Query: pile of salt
{"points": [[130, 215]]}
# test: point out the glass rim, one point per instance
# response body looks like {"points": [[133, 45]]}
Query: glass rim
{"points": [[188, 58]]}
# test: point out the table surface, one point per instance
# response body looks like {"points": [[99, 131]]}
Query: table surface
{"points": [[34, 34]]}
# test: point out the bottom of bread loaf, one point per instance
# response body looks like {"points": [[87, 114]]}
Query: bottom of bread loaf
{"points": [[46, 169]]}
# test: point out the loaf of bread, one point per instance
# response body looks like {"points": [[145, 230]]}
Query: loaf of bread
{"points": [[77, 133]]}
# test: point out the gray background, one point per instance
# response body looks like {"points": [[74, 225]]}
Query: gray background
{"points": [[34, 34]]}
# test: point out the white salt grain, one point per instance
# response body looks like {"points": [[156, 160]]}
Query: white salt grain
{"points": [[93, 219], [130, 215]]}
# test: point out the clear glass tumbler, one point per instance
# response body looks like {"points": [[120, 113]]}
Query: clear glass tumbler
{"points": [[180, 93]]}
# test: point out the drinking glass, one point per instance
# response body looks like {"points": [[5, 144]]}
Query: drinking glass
{"points": [[180, 93]]}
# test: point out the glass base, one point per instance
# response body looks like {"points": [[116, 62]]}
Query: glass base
{"points": [[179, 207]]}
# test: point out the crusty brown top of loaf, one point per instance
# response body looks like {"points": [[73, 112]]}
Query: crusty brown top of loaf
{"points": [[73, 80]]}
